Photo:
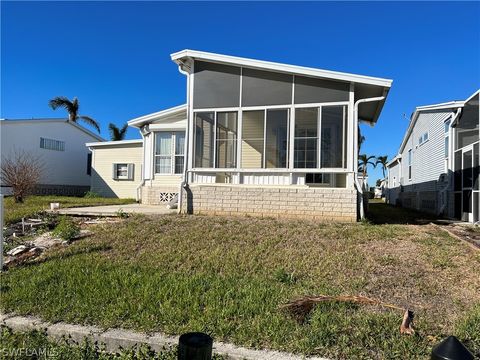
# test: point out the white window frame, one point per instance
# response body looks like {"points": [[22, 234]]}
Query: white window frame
{"points": [[290, 128], [423, 138], [173, 155]]}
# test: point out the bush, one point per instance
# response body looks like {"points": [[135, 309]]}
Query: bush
{"points": [[66, 229]]}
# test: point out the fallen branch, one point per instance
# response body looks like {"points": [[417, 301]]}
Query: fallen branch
{"points": [[300, 308]]}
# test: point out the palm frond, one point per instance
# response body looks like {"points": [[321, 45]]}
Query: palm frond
{"points": [[64, 102], [89, 121], [115, 132], [123, 131]]}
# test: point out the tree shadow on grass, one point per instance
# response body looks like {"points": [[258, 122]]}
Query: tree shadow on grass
{"points": [[381, 213]]}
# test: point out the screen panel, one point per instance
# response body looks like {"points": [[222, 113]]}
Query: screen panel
{"points": [[215, 85], [311, 90], [266, 88]]}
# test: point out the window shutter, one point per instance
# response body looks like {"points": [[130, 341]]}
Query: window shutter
{"points": [[130, 171], [114, 172]]}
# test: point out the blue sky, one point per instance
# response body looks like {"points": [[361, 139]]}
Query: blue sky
{"points": [[114, 56]]}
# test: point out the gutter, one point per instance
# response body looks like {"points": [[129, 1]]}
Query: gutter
{"points": [[355, 127], [183, 69]]}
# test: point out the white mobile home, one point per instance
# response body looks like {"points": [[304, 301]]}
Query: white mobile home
{"points": [[60, 146], [437, 166], [261, 138]]}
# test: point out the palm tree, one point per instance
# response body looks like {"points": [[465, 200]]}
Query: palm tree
{"points": [[363, 162], [72, 109], [117, 134], [382, 160]]}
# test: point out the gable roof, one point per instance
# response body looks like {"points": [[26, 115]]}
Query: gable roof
{"points": [[54, 120], [365, 86], [156, 116]]}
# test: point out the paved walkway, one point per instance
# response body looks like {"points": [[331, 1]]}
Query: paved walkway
{"points": [[114, 339], [114, 210]]}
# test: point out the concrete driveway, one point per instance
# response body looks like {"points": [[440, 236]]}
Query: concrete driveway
{"points": [[114, 210]]}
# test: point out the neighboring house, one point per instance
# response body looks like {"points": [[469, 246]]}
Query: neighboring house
{"points": [[437, 166], [259, 138], [60, 146]]}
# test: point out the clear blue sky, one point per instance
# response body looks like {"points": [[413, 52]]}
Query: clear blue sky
{"points": [[114, 56]]}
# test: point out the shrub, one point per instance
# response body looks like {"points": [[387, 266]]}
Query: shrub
{"points": [[21, 171], [66, 229]]}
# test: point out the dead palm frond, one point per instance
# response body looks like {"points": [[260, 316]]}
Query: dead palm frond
{"points": [[300, 308]]}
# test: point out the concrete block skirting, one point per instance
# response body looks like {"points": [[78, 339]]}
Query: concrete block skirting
{"points": [[117, 339], [63, 190], [333, 204], [154, 195]]}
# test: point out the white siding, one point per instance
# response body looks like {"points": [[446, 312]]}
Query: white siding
{"points": [[428, 159], [67, 167], [102, 165]]}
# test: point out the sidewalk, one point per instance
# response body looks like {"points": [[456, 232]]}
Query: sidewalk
{"points": [[114, 339]]}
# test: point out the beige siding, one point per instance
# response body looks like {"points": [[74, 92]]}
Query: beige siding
{"points": [[102, 170], [167, 180], [252, 143]]}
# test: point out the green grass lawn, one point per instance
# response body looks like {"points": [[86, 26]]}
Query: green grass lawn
{"points": [[37, 345], [33, 204], [228, 276]]}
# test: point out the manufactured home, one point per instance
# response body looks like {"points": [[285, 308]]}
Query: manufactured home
{"points": [[59, 145], [436, 169], [260, 138]]}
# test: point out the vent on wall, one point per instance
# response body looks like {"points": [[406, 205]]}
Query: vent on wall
{"points": [[166, 197]]}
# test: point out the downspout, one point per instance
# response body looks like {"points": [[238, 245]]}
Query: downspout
{"points": [[138, 198], [355, 127], [184, 182]]}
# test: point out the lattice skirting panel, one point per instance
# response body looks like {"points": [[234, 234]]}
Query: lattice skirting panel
{"points": [[166, 197]]}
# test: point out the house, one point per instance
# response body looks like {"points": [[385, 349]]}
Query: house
{"points": [[60, 146], [437, 166], [260, 138]]}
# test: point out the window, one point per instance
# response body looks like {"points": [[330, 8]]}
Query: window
{"points": [[169, 152], [306, 138], [122, 172], [265, 139], [226, 144], [317, 178], [89, 164], [253, 131], [276, 139], [204, 139], [410, 164], [179, 139], [422, 139], [50, 144], [333, 137]]}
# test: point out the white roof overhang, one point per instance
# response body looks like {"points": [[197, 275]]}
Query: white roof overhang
{"points": [[365, 86]]}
